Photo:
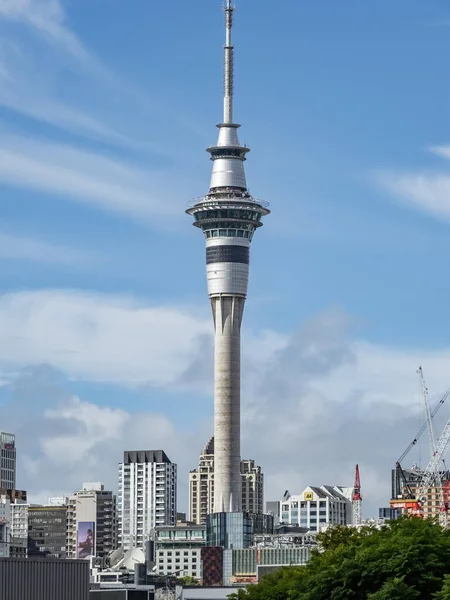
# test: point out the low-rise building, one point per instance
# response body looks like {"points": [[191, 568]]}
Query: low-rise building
{"points": [[317, 507], [178, 549]]}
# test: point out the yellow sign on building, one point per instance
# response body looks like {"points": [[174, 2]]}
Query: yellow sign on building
{"points": [[308, 496]]}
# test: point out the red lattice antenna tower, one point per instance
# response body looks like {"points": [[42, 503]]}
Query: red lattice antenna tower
{"points": [[356, 499]]}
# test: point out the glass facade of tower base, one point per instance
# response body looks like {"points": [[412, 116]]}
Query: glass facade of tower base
{"points": [[236, 530]]}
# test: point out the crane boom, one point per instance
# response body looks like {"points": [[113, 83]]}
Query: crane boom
{"points": [[428, 417]]}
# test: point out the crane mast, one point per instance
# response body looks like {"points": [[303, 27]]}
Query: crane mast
{"points": [[356, 499]]}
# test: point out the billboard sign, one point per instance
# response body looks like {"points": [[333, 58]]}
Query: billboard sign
{"points": [[308, 496], [85, 539]]}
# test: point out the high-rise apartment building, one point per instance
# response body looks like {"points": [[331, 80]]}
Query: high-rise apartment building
{"points": [[7, 461], [147, 495], [201, 486], [252, 480], [91, 522]]}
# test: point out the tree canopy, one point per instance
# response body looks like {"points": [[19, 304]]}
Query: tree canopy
{"points": [[407, 559]]}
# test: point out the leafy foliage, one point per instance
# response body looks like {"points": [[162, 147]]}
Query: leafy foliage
{"points": [[406, 559]]}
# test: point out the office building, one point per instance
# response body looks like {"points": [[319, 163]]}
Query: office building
{"points": [[47, 531], [178, 549], [228, 215], [91, 509], [317, 507], [7, 460], [147, 496], [236, 530], [201, 486]]}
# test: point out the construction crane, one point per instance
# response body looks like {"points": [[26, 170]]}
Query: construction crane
{"points": [[432, 477], [356, 499], [407, 500], [428, 417]]}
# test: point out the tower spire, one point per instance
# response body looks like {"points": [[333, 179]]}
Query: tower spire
{"points": [[228, 64]]}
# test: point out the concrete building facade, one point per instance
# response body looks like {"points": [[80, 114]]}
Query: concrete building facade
{"points": [[316, 508], [228, 216], [96, 506], [147, 496], [201, 486]]}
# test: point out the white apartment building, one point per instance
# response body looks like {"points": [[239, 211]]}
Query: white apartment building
{"points": [[19, 528], [316, 508], [201, 486], [91, 508], [147, 496]]}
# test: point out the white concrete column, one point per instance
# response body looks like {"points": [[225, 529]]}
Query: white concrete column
{"points": [[227, 313]]}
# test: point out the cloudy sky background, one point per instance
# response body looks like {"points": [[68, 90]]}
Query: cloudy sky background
{"points": [[106, 108]]}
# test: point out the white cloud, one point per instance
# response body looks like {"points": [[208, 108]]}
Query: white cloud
{"points": [[85, 177], [98, 337], [13, 247], [428, 192], [47, 17]]}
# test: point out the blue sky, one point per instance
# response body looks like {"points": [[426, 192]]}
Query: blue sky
{"points": [[105, 329]]}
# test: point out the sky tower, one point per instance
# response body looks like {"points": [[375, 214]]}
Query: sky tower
{"points": [[228, 216]]}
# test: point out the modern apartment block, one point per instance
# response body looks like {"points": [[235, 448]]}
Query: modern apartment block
{"points": [[91, 522], [317, 507], [47, 531], [147, 496], [7, 461], [19, 523], [201, 486]]}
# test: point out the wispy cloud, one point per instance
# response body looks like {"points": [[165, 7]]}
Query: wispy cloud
{"points": [[27, 86], [48, 18], [426, 190], [13, 247], [92, 179]]}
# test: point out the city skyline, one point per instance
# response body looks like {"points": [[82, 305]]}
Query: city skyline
{"points": [[103, 145]]}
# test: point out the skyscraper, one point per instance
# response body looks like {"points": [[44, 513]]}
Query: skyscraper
{"points": [[147, 495], [228, 215], [201, 486], [7, 461]]}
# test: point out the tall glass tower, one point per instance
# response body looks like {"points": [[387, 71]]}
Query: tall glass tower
{"points": [[228, 215]]}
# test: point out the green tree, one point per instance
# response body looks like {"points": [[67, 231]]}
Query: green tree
{"points": [[444, 594], [407, 559], [187, 580]]}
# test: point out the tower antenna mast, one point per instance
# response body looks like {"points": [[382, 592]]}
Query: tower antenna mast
{"points": [[228, 64]]}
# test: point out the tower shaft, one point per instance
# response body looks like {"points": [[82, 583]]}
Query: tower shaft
{"points": [[227, 314]]}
